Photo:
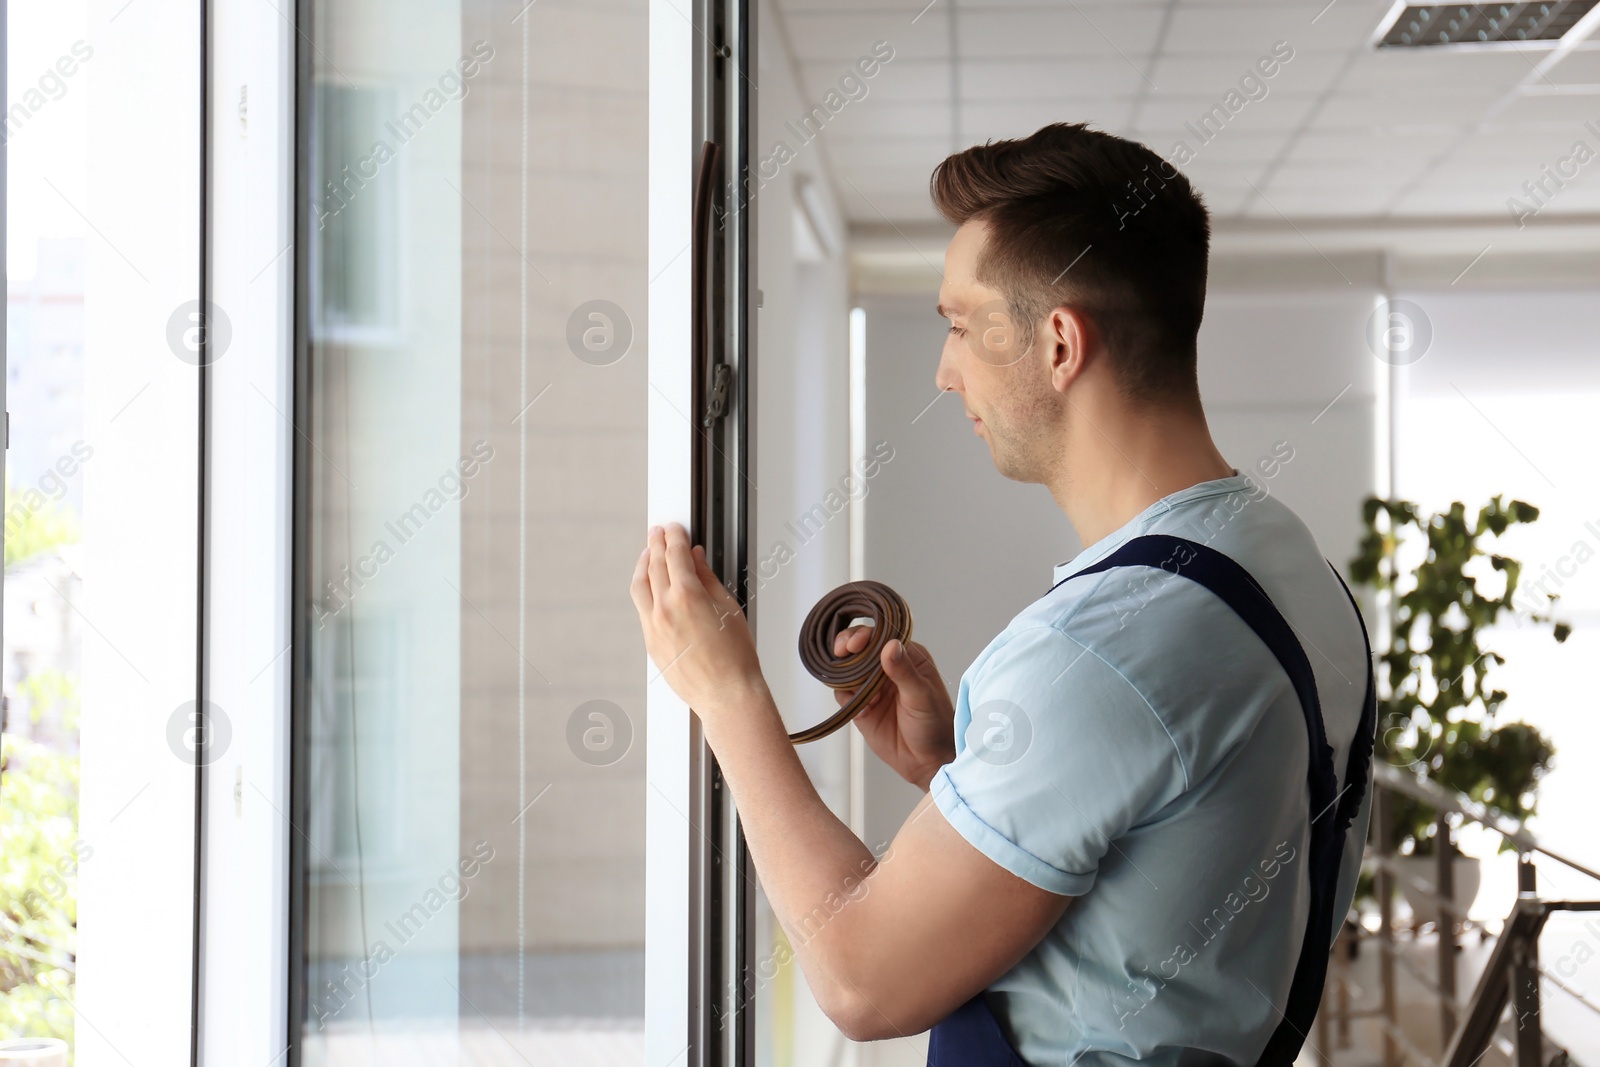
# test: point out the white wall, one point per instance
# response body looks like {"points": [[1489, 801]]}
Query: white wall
{"points": [[1284, 358]]}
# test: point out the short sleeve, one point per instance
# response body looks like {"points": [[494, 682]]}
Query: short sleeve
{"points": [[1059, 755]]}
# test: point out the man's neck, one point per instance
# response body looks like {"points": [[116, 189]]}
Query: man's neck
{"points": [[1118, 461]]}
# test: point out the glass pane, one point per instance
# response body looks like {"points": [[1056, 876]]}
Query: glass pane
{"points": [[475, 774], [40, 845], [815, 473]]}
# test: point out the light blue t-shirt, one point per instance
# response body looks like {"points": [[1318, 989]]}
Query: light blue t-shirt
{"points": [[1128, 740]]}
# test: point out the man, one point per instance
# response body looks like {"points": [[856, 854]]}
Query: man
{"points": [[1116, 856]]}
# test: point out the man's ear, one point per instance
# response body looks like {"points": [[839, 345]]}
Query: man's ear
{"points": [[1069, 338]]}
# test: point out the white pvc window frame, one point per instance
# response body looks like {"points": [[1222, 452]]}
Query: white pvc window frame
{"points": [[244, 965], [150, 990], [142, 498], [670, 441]]}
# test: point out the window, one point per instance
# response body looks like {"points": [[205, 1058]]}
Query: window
{"points": [[472, 726]]}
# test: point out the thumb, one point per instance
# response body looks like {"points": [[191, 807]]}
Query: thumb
{"points": [[897, 665]]}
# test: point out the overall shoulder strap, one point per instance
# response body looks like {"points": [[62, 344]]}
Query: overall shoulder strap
{"points": [[1330, 810], [1360, 760]]}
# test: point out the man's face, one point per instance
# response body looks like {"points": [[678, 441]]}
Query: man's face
{"points": [[1005, 388]]}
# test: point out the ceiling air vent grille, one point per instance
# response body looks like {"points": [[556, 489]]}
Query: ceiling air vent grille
{"points": [[1477, 25]]}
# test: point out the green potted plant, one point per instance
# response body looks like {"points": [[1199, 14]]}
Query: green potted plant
{"points": [[1436, 706]]}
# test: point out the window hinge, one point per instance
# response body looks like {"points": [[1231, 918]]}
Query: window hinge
{"points": [[717, 404]]}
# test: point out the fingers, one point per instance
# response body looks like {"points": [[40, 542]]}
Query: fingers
{"points": [[875, 714], [851, 639], [722, 597], [667, 562], [884, 694], [659, 582], [639, 588], [681, 569]]}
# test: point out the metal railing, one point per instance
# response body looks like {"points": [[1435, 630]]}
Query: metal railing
{"points": [[1512, 974]]}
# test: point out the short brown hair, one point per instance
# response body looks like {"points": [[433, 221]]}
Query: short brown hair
{"points": [[1081, 218]]}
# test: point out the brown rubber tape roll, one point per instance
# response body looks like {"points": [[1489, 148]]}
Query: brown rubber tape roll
{"points": [[862, 671]]}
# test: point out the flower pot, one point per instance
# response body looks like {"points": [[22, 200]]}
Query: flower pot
{"points": [[1417, 876], [33, 1052]]}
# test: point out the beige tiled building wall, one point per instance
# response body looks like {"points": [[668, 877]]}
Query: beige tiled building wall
{"points": [[551, 558]]}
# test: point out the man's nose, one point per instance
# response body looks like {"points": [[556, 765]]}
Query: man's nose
{"points": [[944, 376]]}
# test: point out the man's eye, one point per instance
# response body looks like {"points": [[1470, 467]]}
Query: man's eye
{"points": [[956, 330]]}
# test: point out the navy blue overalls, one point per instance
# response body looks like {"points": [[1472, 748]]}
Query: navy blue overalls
{"points": [[971, 1036]]}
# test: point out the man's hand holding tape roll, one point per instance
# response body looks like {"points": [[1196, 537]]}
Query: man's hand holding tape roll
{"points": [[885, 964], [698, 637], [909, 721]]}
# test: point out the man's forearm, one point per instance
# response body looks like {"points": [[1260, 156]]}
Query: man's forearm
{"points": [[810, 864]]}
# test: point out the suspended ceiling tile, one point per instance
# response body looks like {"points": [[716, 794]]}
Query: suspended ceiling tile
{"points": [[1490, 191], [1383, 72], [859, 154], [1241, 142], [1023, 64], [1391, 174], [1382, 186], [1441, 70], [1552, 112], [1506, 176], [1240, 171], [1370, 146], [1158, 137], [886, 118], [1219, 73], [1332, 25], [994, 80], [1376, 111], [1578, 68], [1220, 192], [895, 12], [1318, 125], [1000, 120], [1207, 117], [1326, 181], [1258, 26], [844, 37], [1529, 147], [1076, 30], [1319, 202], [926, 80], [1096, 9], [1234, 146], [1426, 200], [900, 8], [1277, 111]]}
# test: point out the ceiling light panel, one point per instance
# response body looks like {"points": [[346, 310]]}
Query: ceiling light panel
{"points": [[1479, 25]]}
